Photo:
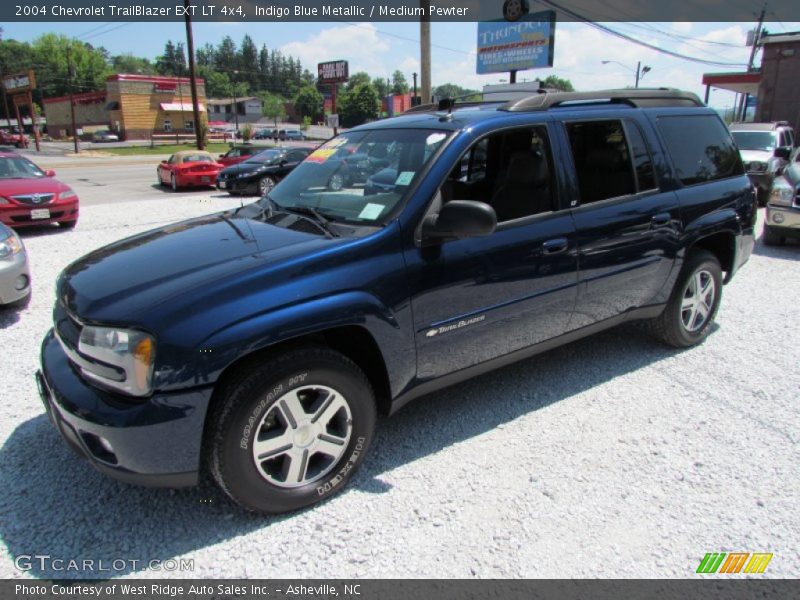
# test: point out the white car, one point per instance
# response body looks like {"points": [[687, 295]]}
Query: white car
{"points": [[104, 135]]}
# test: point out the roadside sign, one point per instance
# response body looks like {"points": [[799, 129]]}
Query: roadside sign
{"points": [[22, 82], [333, 121], [524, 44], [335, 71]]}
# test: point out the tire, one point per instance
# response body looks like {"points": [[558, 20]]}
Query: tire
{"points": [[771, 237], [336, 182], [158, 177], [513, 10], [265, 184], [275, 401], [173, 183], [68, 224], [688, 317]]}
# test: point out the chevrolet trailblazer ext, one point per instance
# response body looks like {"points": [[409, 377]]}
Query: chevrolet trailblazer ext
{"points": [[258, 344]]}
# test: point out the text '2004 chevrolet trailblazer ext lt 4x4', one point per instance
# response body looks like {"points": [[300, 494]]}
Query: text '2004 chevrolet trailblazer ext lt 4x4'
{"points": [[259, 343]]}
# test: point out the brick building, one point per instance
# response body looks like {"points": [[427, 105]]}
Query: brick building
{"points": [[779, 90], [90, 114]]}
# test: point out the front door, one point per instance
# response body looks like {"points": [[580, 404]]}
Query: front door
{"points": [[481, 298]]}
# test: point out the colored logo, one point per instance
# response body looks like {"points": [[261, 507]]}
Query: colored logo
{"points": [[734, 562]]}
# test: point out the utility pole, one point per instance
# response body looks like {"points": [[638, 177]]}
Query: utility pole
{"points": [[190, 48], [756, 38], [70, 78], [638, 70], [235, 106], [425, 51], [414, 98]]}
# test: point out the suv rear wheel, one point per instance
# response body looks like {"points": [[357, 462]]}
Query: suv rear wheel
{"points": [[693, 304], [291, 431]]}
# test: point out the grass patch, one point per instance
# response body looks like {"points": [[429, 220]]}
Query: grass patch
{"points": [[215, 148]]}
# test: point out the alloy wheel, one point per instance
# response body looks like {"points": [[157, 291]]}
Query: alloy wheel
{"points": [[698, 301], [302, 436]]}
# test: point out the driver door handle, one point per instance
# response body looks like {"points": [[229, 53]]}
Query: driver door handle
{"points": [[555, 246]]}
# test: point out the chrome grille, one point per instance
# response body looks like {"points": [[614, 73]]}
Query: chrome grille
{"points": [[34, 199]]}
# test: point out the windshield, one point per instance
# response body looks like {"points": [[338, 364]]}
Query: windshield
{"points": [[197, 158], [265, 158], [19, 168], [755, 140], [337, 178]]}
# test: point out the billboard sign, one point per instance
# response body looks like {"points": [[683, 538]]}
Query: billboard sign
{"points": [[15, 84], [524, 44], [335, 71]]}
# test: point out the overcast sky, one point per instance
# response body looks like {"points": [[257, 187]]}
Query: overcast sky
{"points": [[381, 48]]}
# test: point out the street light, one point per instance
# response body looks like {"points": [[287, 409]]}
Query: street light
{"points": [[639, 71]]}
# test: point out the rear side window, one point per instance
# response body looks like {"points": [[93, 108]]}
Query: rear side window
{"points": [[602, 160], [701, 148]]}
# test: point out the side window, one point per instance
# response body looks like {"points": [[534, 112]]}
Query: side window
{"points": [[602, 160], [509, 170], [701, 148], [234, 153], [642, 159], [295, 156]]}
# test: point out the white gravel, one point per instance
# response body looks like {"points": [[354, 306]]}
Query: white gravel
{"points": [[611, 457]]}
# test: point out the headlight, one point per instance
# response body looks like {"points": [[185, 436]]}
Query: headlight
{"points": [[69, 194], [10, 246], [248, 173], [131, 352], [782, 193]]}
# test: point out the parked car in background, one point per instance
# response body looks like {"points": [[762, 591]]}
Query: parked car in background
{"points": [[265, 134], [349, 165], [783, 207], [237, 154], [259, 344], [765, 149], [104, 135], [261, 172], [31, 196], [188, 168], [290, 134], [13, 138], [15, 276]]}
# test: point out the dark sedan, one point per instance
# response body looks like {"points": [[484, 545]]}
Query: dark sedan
{"points": [[261, 172]]}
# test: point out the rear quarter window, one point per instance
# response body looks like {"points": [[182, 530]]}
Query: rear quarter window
{"points": [[701, 148]]}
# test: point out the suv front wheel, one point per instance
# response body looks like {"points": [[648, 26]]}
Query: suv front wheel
{"points": [[689, 315], [292, 431]]}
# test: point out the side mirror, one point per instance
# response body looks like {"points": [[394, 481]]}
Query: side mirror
{"points": [[783, 152], [222, 156], [49, 173], [459, 219]]}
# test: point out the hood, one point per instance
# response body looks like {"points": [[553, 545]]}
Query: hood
{"points": [[42, 185], [759, 155], [115, 283]]}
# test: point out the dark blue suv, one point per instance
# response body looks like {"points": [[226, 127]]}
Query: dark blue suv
{"points": [[259, 344]]}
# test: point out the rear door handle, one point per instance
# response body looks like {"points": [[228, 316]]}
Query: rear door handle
{"points": [[661, 220], [555, 246]]}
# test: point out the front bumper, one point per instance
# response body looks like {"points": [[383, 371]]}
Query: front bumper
{"points": [[15, 278], [155, 442], [244, 185], [784, 219], [20, 215]]}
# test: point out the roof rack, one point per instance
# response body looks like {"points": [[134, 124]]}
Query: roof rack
{"points": [[638, 98], [547, 98]]}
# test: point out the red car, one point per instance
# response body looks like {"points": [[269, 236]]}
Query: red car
{"points": [[13, 139], [238, 154], [30, 196], [189, 168]]}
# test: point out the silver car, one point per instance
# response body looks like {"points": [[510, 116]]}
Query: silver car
{"points": [[15, 276]]}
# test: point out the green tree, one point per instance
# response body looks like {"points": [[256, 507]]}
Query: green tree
{"points": [[359, 105], [49, 54], [557, 83], [128, 63], [273, 107], [451, 90], [248, 62], [357, 79], [217, 84], [399, 83], [382, 87], [173, 61], [308, 102]]}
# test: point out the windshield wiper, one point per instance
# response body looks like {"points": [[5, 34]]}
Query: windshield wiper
{"points": [[307, 211]]}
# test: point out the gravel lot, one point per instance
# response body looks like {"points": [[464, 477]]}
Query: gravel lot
{"points": [[611, 457]]}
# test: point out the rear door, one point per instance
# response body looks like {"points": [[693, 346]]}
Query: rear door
{"points": [[627, 228]]}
